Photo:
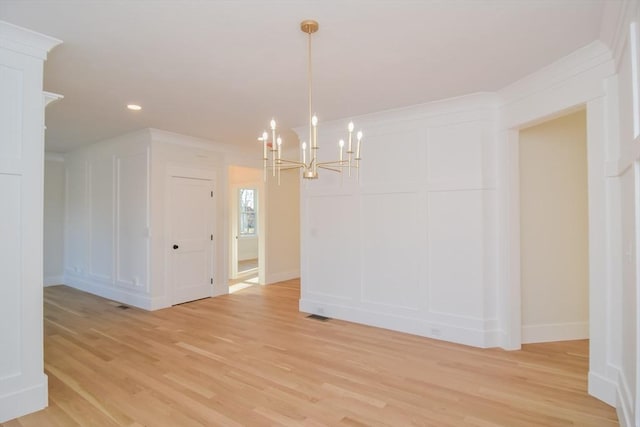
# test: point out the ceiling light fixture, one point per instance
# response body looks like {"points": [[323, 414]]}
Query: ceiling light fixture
{"points": [[134, 107], [272, 148]]}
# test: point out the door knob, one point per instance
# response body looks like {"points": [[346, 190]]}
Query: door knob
{"points": [[175, 246]]}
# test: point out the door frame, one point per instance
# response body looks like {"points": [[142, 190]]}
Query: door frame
{"points": [[189, 173], [234, 226]]}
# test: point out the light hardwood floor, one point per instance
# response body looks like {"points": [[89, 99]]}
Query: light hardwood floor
{"points": [[252, 359]]}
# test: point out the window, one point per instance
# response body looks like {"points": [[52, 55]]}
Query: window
{"points": [[247, 221]]}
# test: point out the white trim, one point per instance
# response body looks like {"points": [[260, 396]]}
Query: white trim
{"points": [[560, 72], [482, 104], [555, 332], [164, 136], [123, 296], [425, 328], [624, 402], [602, 388], [50, 97], [25, 401], [614, 26], [53, 281], [26, 41]]}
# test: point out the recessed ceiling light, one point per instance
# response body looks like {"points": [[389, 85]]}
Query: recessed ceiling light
{"points": [[134, 107]]}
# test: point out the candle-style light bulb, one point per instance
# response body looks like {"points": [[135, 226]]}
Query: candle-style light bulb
{"points": [[264, 145], [273, 124], [279, 142], [314, 123], [350, 127], [340, 146], [304, 152], [359, 136]]}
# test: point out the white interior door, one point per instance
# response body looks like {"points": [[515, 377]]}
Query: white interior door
{"points": [[191, 238]]}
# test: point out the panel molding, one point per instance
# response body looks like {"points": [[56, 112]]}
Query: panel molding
{"points": [[28, 399], [420, 326], [134, 282], [11, 116], [122, 295]]}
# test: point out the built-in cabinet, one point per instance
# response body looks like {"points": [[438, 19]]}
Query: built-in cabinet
{"points": [[23, 383]]}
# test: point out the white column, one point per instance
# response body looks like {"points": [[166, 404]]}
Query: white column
{"points": [[23, 384]]}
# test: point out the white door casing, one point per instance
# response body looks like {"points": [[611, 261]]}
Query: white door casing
{"points": [[191, 225]]}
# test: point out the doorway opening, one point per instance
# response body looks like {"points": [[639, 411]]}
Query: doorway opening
{"points": [[246, 227], [554, 229]]}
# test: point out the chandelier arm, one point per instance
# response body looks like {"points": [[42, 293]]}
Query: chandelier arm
{"points": [[335, 163], [286, 168], [329, 168], [290, 162]]}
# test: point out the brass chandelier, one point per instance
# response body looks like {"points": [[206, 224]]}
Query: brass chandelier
{"points": [[272, 147]]}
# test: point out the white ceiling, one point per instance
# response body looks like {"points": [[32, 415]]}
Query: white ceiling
{"points": [[220, 70]]}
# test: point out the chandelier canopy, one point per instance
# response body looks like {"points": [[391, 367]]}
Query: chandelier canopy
{"points": [[272, 145]]}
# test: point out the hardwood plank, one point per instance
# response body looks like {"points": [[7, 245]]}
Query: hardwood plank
{"points": [[251, 359]]}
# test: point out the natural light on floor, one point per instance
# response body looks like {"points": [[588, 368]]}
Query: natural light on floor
{"points": [[244, 284]]}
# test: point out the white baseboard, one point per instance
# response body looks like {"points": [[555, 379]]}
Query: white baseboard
{"points": [[555, 332], [282, 276], [144, 302], [602, 388], [24, 401], [624, 403], [53, 280], [472, 337]]}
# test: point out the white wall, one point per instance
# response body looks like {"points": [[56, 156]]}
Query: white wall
{"points": [[281, 238], [247, 248], [429, 241], [412, 246], [107, 225], [23, 383], [554, 230], [170, 150], [53, 256]]}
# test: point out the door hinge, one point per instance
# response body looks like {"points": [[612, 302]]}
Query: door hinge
{"points": [[212, 237], [212, 194], [212, 280]]}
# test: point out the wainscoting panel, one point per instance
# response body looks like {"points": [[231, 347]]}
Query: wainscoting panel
{"points": [[392, 246], [132, 220], [454, 156], [455, 261], [101, 217], [10, 272], [333, 244], [11, 105], [76, 218]]}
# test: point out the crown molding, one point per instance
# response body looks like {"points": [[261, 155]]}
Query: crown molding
{"points": [[591, 56], [26, 41], [614, 28]]}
